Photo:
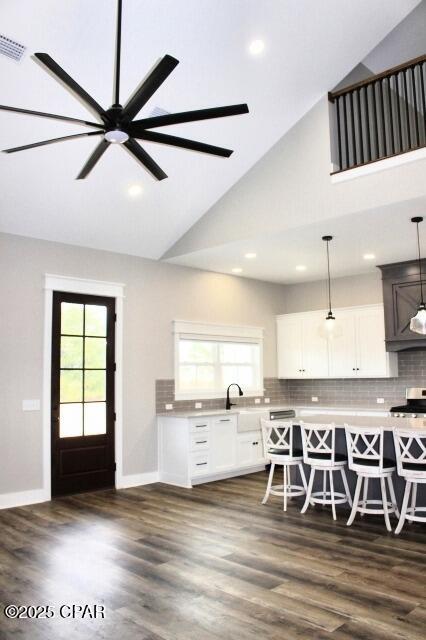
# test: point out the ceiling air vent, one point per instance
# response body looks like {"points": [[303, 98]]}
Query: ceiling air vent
{"points": [[11, 49]]}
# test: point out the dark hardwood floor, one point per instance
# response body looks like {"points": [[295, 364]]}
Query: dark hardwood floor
{"points": [[209, 563]]}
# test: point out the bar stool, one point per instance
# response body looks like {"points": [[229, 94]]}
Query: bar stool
{"points": [[410, 448], [365, 453], [320, 453], [278, 447]]}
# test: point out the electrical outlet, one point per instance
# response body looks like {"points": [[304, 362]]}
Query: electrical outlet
{"points": [[257, 401], [314, 398], [198, 405], [169, 407], [380, 400], [267, 400]]}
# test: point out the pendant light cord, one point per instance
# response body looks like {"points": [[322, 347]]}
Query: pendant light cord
{"points": [[329, 281], [420, 266]]}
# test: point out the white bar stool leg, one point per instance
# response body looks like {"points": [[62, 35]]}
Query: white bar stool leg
{"points": [[324, 483], [268, 488], [333, 505], [345, 484], [413, 501], [364, 496], [302, 475], [285, 486], [392, 495], [309, 491], [355, 502], [403, 508], [385, 504]]}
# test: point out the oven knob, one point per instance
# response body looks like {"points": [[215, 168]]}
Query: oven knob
{"points": [[414, 415], [397, 415]]}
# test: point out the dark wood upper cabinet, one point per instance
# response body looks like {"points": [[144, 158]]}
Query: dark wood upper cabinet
{"points": [[401, 297]]}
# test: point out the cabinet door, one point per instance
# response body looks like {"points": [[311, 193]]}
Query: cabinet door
{"points": [[250, 449], [315, 347], [289, 343], [372, 358], [223, 438], [342, 346]]}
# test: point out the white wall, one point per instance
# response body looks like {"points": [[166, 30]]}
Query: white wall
{"points": [[156, 293]]}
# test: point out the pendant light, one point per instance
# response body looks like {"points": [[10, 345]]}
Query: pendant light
{"points": [[418, 322], [330, 321]]}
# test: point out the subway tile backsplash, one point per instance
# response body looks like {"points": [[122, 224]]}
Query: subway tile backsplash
{"points": [[335, 392]]}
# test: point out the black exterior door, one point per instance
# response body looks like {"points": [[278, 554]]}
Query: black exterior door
{"points": [[83, 416]]}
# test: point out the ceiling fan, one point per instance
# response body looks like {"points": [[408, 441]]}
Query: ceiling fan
{"points": [[118, 125]]}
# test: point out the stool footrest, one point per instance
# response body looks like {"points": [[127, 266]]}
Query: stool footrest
{"points": [[319, 497], [293, 490], [364, 508]]}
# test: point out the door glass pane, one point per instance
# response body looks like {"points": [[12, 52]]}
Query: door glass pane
{"points": [[94, 385], [71, 353], [95, 353], [72, 318], [94, 418], [71, 420], [71, 386], [95, 320]]}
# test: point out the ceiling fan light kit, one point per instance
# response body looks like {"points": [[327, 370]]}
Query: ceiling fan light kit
{"points": [[118, 124]]}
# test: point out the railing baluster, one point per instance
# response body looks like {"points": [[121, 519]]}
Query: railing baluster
{"points": [[354, 152], [376, 123], [398, 102], [407, 113], [392, 134], [339, 134], [382, 105], [367, 120], [371, 125], [345, 128], [416, 113], [422, 85], [361, 137]]}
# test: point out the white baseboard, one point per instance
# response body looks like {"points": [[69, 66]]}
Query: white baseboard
{"points": [[22, 498], [138, 479]]}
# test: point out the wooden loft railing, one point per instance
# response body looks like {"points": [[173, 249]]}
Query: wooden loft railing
{"points": [[380, 117]]}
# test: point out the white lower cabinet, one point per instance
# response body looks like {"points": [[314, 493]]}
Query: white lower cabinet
{"points": [[249, 448], [199, 450]]}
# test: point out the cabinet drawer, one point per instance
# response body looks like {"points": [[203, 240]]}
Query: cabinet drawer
{"points": [[199, 441], [225, 420], [199, 463], [199, 425]]}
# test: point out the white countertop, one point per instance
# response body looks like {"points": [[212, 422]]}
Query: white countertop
{"points": [[388, 424], [267, 407]]}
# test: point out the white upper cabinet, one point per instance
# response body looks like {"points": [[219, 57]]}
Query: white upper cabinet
{"points": [[355, 349], [303, 348]]}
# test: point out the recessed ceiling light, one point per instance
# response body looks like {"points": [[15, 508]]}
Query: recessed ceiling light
{"points": [[369, 256], [237, 270], [134, 190], [250, 256], [300, 267], [256, 47]]}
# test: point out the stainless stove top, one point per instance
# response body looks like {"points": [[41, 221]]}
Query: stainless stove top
{"points": [[415, 407]]}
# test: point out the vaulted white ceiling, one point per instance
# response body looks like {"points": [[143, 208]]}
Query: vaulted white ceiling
{"points": [[309, 47]]}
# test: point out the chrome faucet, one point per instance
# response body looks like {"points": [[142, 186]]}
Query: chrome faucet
{"points": [[230, 404]]}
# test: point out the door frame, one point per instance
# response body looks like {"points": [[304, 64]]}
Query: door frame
{"points": [[90, 287]]}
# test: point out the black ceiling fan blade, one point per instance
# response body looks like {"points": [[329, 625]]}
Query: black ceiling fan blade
{"points": [[175, 141], [52, 141], [54, 116], [191, 116], [155, 79], [63, 76], [93, 159], [142, 156]]}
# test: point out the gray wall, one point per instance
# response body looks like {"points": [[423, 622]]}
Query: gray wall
{"points": [[349, 291], [156, 294]]}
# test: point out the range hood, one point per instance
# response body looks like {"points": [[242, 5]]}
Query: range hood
{"points": [[401, 297]]}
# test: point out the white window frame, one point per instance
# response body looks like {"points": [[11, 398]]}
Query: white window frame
{"points": [[215, 332]]}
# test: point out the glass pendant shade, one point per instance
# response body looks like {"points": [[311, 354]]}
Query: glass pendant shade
{"points": [[330, 322], [418, 323]]}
